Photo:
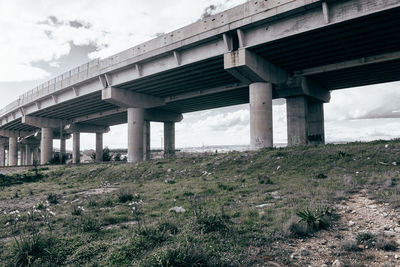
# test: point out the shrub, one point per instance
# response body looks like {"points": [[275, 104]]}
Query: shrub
{"points": [[365, 238], [52, 198], [385, 243], [208, 223], [349, 245], [89, 224], [317, 219], [124, 196], [294, 228]]}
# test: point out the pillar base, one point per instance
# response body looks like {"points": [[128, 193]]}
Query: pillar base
{"points": [[305, 121]]}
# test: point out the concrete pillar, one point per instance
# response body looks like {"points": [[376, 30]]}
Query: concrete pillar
{"points": [[46, 146], [62, 150], [36, 155], [297, 120], [305, 121], [135, 134], [261, 115], [12, 151], [22, 155], [99, 147], [146, 141], [2, 155], [76, 150], [28, 155], [169, 139], [316, 123]]}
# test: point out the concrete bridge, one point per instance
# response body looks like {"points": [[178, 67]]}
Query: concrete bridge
{"points": [[264, 49]]}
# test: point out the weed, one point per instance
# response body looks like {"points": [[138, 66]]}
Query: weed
{"points": [[124, 196], [317, 219], [385, 243], [52, 198], [365, 238], [349, 245], [89, 224]]}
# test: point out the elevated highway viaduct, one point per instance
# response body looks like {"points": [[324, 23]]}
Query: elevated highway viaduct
{"points": [[300, 50]]}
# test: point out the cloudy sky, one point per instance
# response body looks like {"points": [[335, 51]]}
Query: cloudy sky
{"points": [[41, 39]]}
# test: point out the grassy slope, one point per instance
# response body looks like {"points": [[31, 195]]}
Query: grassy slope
{"points": [[220, 193]]}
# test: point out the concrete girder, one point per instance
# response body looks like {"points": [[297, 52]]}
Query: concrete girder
{"points": [[86, 128], [11, 133], [302, 86], [42, 122], [149, 115], [3, 141], [130, 99], [249, 67]]}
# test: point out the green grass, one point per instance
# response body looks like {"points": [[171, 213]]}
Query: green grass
{"points": [[131, 225]]}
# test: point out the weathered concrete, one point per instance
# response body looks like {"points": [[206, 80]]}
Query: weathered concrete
{"points": [[22, 156], [135, 134], [316, 123], [250, 67], [305, 121], [36, 155], [261, 115], [128, 99], [99, 147], [46, 146], [63, 152], [169, 139], [76, 148], [28, 155], [146, 140], [12, 151], [2, 155], [86, 128]]}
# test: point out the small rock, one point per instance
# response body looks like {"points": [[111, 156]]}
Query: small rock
{"points": [[397, 229], [264, 205], [351, 223], [169, 170], [324, 242], [394, 163], [337, 263], [295, 256], [177, 210], [397, 257]]}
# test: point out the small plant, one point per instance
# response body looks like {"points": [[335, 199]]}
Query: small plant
{"points": [[365, 238], [77, 210], [316, 219], [52, 198], [89, 224], [321, 176], [349, 245], [264, 180], [385, 243], [124, 196]]}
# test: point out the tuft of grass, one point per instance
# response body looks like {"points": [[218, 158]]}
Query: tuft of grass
{"points": [[124, 196], [52, 198]]}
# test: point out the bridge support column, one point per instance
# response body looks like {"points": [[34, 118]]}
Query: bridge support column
{"points": [[76, 148], [305, 121], [146, 140], [63, 152], [46, 145], [169, 139], [35, 153], [2, 155], [135, 134], [28, 155], [99, 147], [261, 115], [12, 151], [21, 156]]}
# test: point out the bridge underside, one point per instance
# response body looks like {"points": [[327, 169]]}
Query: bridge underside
{"points": [[357, 52]]}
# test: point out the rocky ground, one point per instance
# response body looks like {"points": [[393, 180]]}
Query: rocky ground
{"points": [[338, 246]]}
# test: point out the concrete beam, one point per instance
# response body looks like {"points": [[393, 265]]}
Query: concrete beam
{"points": [[86, 128], [130, 99], [11, 133], [302, 86], [350, 64], [249, 67], [42, 122], [162, 116]]}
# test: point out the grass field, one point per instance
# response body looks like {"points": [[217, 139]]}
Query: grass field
{"points": [[237, 206]]}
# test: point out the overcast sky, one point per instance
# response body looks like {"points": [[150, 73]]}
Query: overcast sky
{"points": [[42, 39]]}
